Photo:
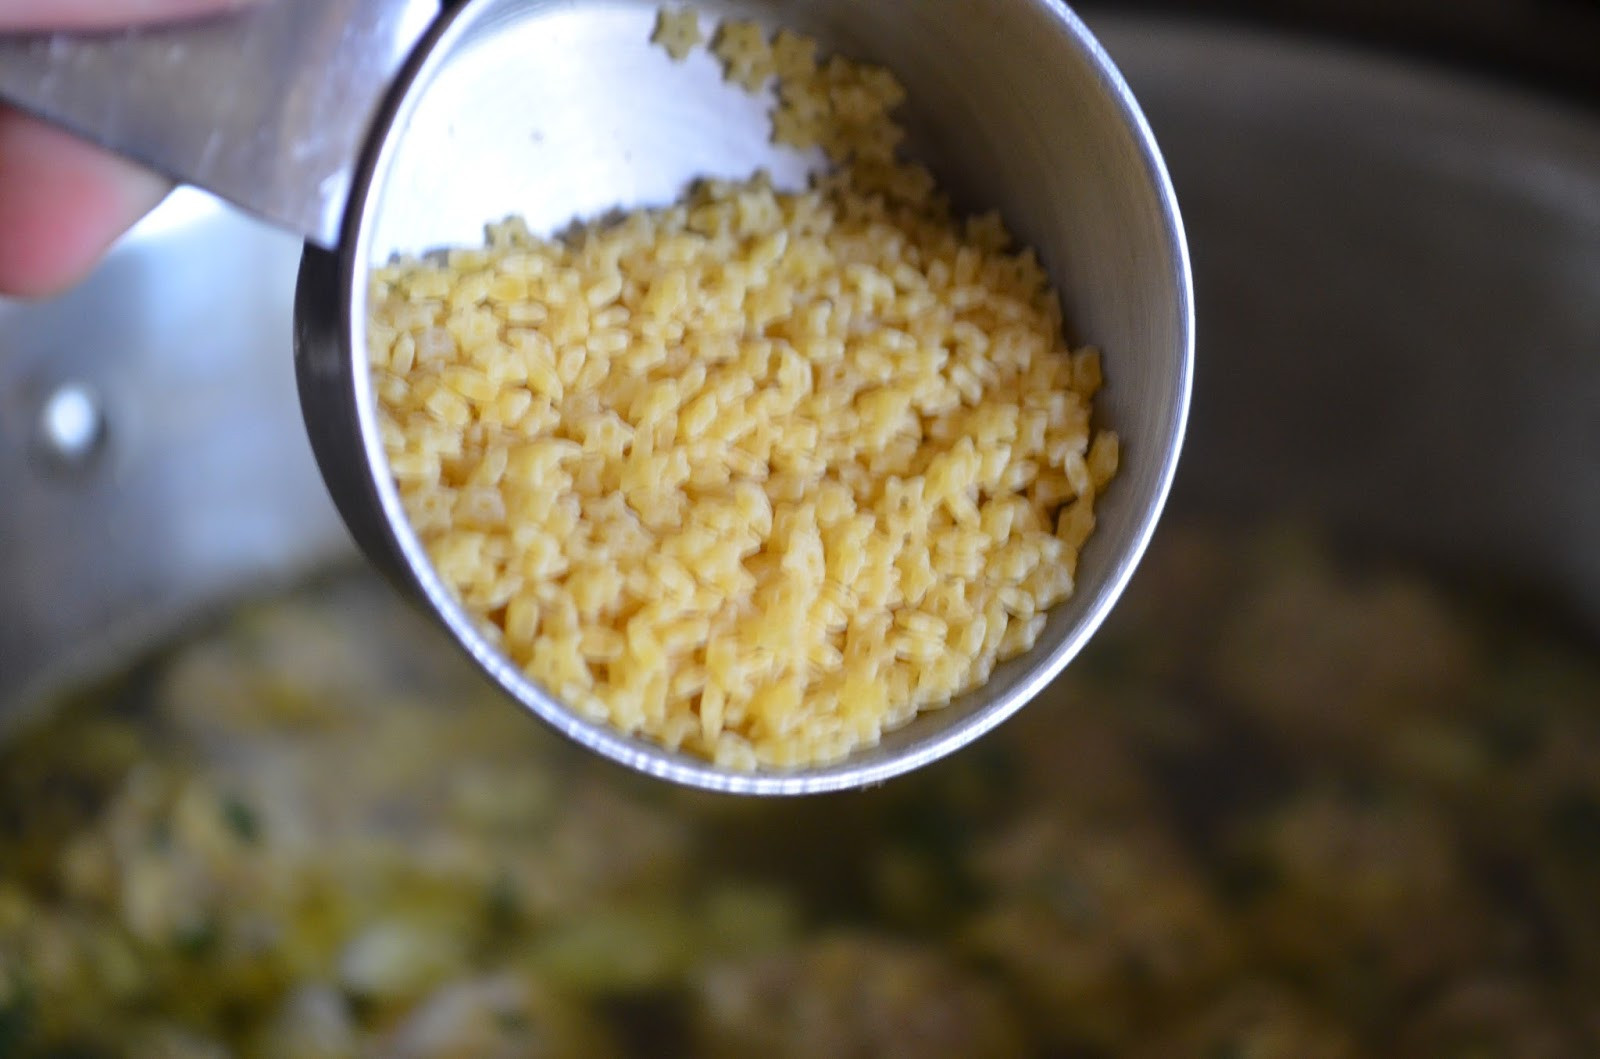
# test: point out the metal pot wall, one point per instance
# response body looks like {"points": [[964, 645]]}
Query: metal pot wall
{"points": [[1398, 290]]}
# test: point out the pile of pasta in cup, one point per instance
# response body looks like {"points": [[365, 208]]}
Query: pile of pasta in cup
{"points": [[761, 474]]}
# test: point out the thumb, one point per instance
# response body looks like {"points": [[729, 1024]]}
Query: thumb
{"points": [[18, 15], [64, 202]]}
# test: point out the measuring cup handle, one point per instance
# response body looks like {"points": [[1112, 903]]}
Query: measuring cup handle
{"points": [[267, 108]]}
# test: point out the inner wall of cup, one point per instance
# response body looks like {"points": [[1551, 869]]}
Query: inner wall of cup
{"points": [[563, 111]]}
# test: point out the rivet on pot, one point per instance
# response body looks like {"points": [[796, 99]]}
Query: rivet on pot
{"points": [[71, 427]]}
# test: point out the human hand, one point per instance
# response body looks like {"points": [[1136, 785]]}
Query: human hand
{"points": [[64, 201]]}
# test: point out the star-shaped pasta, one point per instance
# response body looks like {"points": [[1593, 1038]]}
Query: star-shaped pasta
{"points": [[746, 56], [677, 32], [794, 56]]}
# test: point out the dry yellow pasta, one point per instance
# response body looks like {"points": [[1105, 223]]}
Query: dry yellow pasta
{"points": [[747, 57], [677, 32], [761, 474]]}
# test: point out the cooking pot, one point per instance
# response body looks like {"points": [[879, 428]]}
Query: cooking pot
{"points": [[1398, 283]]}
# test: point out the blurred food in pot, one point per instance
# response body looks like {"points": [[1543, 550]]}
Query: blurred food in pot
{"points": [[314, 831]]}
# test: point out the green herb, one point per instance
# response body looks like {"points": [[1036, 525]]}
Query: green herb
{"points": [[501, 905], [16, 1020], [1575, 825], [195, 940], [241, 819]]}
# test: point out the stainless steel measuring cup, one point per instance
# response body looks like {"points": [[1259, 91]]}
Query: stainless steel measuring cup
{"points": [[373, 127]]}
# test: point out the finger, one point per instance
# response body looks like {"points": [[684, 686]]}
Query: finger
{"points": [[65, 202], [102, 14]]}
